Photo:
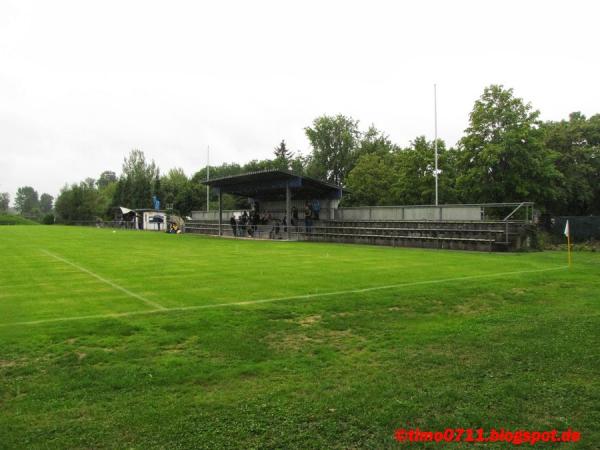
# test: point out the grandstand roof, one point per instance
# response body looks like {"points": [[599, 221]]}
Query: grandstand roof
{"points": [[271, 185]]}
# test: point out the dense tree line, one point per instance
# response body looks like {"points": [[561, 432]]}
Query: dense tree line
{"points": [[506, 155], [30, 204]]}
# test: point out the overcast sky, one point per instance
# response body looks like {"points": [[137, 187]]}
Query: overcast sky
{"points": [[82, 82]]}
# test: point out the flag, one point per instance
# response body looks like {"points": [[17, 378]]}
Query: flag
{"points": [[568, 235]]}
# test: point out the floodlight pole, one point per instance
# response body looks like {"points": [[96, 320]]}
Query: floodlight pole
{"points": [[208, 178], [435, 141]]}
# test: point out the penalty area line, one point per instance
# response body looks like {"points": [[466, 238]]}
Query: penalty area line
{"points": [[162, 309], [104, 280]]}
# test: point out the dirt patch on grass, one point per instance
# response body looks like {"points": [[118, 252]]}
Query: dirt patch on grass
{"points": [[309, 320], [518, 291], [305, 321], [289, 341], [343, 314], [342, 340], [6, 363], [469, 306], [190, 343]]}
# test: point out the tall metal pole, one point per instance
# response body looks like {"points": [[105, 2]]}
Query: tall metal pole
{"points": [[208, 178], [435, 141]]}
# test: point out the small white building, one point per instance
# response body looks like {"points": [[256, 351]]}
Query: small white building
{"points": [[153, 220]]}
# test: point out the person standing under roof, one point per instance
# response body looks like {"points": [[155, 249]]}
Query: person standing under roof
{"points": [[307, 217], [233, 225]]}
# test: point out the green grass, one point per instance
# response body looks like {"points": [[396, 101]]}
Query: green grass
{"points": [[502, 342], [11, 219]]}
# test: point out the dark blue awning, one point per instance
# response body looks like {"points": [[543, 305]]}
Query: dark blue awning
{"points": [[271, 185]]}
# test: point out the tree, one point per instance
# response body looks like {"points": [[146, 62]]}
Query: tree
{"points": [[334, 141], [283, 156], [298, 164], [137, 182], [415, 183], [577, 144], [106, 178], [416, 173], [370, 181], [26, 201], [375, 141], [176, 189], [224, 170], [4, 201], [107, 187], [46, 203], [503, 158], [259, 165], [79, 202]]}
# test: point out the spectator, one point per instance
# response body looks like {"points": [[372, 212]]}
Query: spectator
{"points": [[308, 217], [316, 207], [233, 225], [255, 221], [274, 233], [243, 223]]}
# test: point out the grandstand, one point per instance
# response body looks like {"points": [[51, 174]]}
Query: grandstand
{"points": [[276, 194]]}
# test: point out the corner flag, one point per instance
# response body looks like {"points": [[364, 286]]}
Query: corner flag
{"points": [[568, 235]]}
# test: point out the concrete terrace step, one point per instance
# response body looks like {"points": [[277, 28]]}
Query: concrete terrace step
{"points": [[483, 236], [406, 241]]}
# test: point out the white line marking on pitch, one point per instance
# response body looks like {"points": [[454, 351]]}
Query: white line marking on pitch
{"points": [[104, 280], [162, 309]]}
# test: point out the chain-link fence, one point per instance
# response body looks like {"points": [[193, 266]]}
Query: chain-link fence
{"points": [[583, 228]]}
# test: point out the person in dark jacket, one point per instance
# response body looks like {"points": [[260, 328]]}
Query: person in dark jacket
{"points": [[233, 223], [243, 223], [308, 217]]}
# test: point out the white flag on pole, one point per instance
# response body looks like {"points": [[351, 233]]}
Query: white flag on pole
{"points": [[567, 230]]}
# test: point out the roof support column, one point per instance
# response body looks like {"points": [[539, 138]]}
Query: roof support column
{"points": [[288, 209], [220, 213]]}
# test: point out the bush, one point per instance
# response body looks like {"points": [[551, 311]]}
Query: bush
{"points": [[11, 219], [48, 219]]}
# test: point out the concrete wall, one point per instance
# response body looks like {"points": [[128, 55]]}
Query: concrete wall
{"points": [[451, 212], [213, 216]]}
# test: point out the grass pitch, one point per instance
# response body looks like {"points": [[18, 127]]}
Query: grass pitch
{"points": [[147, 340]]}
